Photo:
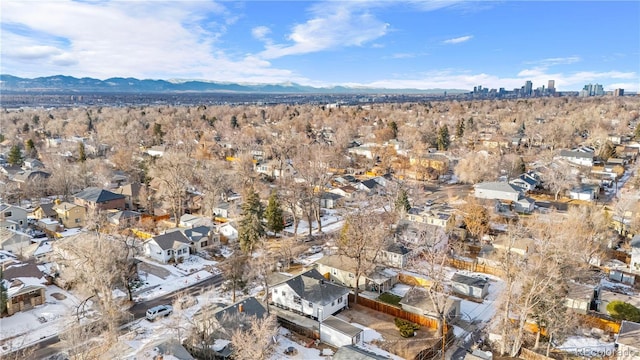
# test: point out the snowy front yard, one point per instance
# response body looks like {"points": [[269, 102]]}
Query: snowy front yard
{"points": [[27, 327]]}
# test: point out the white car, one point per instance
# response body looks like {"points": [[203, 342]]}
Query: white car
{"points": [[315, 249], [158, 311]]}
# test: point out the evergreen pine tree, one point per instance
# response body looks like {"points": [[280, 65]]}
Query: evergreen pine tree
{"points": [[402, 202], [30, 147], [443, 138], [273, 214], [637, 132], [234, 122], [251, 228], [15, 156], [394, 128], [460, 128], [82, 155]]}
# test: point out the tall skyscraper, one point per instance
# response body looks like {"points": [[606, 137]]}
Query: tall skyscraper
{"points": [[528, 88], [551, 87], [618, 92]]}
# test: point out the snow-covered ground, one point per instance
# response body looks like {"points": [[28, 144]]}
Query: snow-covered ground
{"points": [[587, 346], [27, 327], [331, 222], [182, 275]]}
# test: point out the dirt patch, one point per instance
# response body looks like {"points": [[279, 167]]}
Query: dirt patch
{"points": [[383, 324], [58, 296]]}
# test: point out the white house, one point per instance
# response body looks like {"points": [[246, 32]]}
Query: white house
{"points": [[471, 286], [171, 246], [228, 231], [337, 332], [628, 341], [585, 192], [583, 158], [13, 217], [201, 237], [526, 181], [310, 294], [395, 254], [498, 191]]}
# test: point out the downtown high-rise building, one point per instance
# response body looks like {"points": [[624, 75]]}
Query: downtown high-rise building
{"points": [[551, 87], [528, 88]]}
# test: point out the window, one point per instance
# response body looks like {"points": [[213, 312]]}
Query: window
{"points": [[335, 272], [333, 303], [310, 304], [297, 300], [351, 275], [204, 244], [7, 213], [339, 300], [77, 221]]}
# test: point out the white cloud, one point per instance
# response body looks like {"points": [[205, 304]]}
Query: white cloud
{"points": [[557, 61], [458, 40], [260, 33], [337, 25], [125, 38]]}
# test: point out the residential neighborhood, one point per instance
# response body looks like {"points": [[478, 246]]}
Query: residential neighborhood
{"points": [[378, 231]]}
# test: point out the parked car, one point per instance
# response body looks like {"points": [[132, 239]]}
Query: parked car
{"points": [[315, 249], [159, 311]]}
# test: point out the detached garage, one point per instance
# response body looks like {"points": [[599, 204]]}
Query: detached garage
{"points": [[470, 286], [337, 332]]}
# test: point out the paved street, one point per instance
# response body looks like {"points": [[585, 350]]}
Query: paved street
{"points": [[52, 346]]}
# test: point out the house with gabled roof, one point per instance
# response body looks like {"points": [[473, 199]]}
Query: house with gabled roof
{"points": [[395, 254], [124, 218], [342, 270], [100, 199], [471, 286], [44, 211], [526, 181], [505, 192], [310, 294], [70, 215], [25, 285], [30, 178], [131, 194], [170, 246], [12, 217], [578, 157]]}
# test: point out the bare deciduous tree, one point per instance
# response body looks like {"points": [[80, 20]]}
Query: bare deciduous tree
{"points": [[256, 342]]}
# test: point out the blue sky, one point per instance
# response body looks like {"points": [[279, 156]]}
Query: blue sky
{"points": [[394, 44]]}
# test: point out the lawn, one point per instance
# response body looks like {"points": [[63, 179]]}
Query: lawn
{"points": [[390, 299]]}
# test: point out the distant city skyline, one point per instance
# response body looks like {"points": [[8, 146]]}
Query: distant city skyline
{"points": [[381, 44]]}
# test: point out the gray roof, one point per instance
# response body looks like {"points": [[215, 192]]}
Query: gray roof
{"points": [[312, 286], [341, 326], [47, 209], [498, 186], [472, 281], [351, 352], [419, 298], [124, 215], [576, 154], [397, 248], [329, 195], [197, 233], [31, 175], [97, 195], [577, 291], [174, 348], [629, 334], [24, 270], [250, 307], [171, 240], [370, 184]]}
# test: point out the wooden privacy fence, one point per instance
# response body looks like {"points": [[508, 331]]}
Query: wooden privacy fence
{"points": [[527, 354], [595, 320], [394, 311], [474, 266]]}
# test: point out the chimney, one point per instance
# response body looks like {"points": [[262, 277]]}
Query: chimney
{"points": [[240, 308]]}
